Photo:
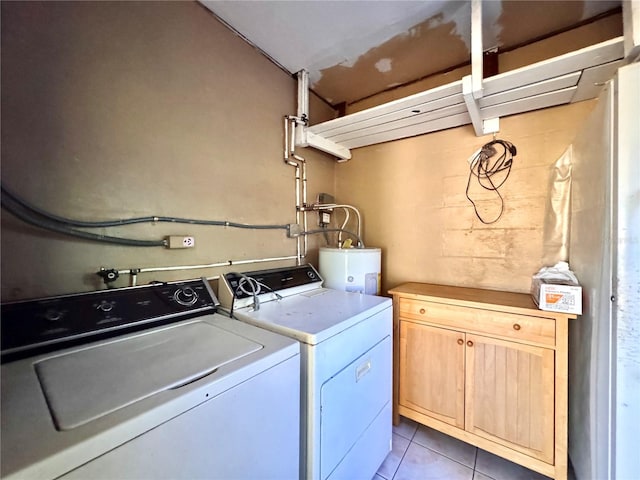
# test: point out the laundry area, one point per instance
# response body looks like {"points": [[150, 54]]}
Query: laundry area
{"points": [[318, 240]]}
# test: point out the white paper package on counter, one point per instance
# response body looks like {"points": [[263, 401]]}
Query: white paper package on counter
{"points": [[556, 289]]}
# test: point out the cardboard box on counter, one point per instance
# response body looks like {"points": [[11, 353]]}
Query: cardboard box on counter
{"points": [[557, 298]]}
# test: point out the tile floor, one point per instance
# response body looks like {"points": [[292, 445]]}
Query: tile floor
{"points": [[421, 453]]}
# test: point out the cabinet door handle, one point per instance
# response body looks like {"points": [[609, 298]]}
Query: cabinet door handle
{"points": [[516, 326], [422, 311], [460, 341], [469, 343]]}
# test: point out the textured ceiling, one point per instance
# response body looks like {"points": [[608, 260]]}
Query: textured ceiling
{"points": [[353, 49]]}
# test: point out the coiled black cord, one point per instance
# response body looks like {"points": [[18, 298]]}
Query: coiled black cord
{"points": [[485, 165]]}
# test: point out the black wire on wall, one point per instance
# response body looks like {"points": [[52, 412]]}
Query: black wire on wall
{"points": [[488, 163]]}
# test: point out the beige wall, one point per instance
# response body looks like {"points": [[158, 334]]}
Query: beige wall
{"points": [[113, 110], [412, 196], [589, 34], [412, 192]]}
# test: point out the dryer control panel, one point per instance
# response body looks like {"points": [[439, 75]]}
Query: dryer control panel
{"points": [[240, 289], [47, 324]]}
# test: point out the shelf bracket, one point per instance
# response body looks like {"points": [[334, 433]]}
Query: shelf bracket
{"points": [[311, 139], [472, 84], [631, 22], [305, 138], [481, 127]]}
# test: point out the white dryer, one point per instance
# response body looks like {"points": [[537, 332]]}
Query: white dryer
{"points": [[346, 370], [145, 382]]}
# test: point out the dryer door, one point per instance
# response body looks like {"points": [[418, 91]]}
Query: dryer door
{"points": [[350, 402]]}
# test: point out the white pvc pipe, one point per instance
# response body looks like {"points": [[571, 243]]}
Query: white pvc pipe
{"points": [[303, 162], [328, 206], [287, 154], [344, 225], [203, 266], [301, 197], [303, 94]]}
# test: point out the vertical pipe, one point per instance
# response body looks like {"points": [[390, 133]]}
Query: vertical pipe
{"points": [[303, 95], [301, 242], [476, 48], [287, 154], [299, 252], [302, 119], [304, 204], [286, 139], [292, 145]]}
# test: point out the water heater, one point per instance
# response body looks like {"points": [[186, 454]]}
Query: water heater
{"points": [[351, 269]]}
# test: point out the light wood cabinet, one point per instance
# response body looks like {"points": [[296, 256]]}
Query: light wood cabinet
{"points": [[432, 358], [486, 367]]}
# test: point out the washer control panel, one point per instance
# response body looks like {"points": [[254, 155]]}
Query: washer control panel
{"points": [[37, 326]]}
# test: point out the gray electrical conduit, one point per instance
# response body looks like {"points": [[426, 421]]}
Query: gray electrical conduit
{"points": [[229, 263], [129, 221], [62, 225], [29, 218], [42, 219]]}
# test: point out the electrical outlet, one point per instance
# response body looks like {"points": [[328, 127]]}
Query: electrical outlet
{"points": [[188, 242], [178, 241]]}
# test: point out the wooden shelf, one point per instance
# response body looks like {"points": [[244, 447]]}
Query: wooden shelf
{"points": [[568, 78]]}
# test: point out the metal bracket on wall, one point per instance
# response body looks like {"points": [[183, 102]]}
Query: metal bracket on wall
{"points": [[631, 24], [305, 138], [472, 85], [480, 125]]}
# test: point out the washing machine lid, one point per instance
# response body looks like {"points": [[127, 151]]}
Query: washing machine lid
{"points": [[91, 382], [314, 316]]}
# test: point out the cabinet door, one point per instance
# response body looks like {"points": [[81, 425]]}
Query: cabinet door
{"points": [[432, 372], [510, 395]]}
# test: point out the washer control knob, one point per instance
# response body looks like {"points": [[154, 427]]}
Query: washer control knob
{"points": [[185, 296], [105, 306], [53, 315]]}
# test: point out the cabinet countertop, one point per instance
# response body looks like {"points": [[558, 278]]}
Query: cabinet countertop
{"points": [[520, 303]]}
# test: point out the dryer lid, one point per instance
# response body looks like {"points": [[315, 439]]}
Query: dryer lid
{"points": [[89, 383], [314, 316]]}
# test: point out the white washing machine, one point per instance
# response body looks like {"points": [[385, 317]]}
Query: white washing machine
{"points": [[346, 370], [145, 383]]}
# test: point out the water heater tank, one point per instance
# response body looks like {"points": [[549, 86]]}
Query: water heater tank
{"points": [[351, 269]]}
